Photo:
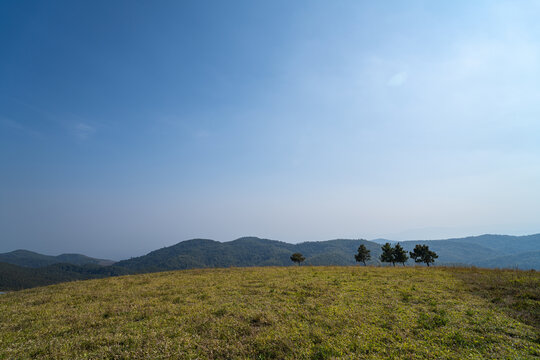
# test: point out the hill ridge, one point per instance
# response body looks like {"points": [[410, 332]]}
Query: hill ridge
{"points": [[32, 259], [502, 251]]}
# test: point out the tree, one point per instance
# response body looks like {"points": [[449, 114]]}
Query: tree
{"points": [[297, 258], [400, 255], [421, 253], [363, 254], [387, 254]]}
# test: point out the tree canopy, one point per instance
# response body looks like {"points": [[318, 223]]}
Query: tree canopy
{"points": [[297, 258], [393, 254], [400, 255], [387, 254], [363, 254], [421, 253]]}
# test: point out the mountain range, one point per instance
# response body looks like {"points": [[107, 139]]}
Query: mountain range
{"points": [[22, 269], [35, 260]]}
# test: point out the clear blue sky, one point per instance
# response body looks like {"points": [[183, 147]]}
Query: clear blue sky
{"points": [[126, 126]]}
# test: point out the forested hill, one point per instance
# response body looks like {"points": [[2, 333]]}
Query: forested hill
{"points": [[485, 250], [495, 251], [35, 260], [14, 277], [247, 251]]}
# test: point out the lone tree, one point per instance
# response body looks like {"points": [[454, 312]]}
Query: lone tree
{"points": [[363, 254], [421, 253], [400, 255], [297, 258], [387, 254]]}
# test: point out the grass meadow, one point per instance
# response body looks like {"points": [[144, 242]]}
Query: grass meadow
{"points": [[279, 313]]}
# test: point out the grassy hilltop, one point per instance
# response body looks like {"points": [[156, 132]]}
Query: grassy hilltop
{"points": [[279, 313]]}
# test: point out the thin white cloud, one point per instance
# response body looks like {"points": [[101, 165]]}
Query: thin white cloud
{"points": [[398, 79], [83, 131], [11, 123], [17, 126]]}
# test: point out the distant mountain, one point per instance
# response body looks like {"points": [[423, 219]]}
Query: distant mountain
{"points": [[34, 260], [14, 277], [336, 252], [493, 251], [453, 252], [486, 250], [383, 241], [247, 251], [504, 243], [525, 261]]}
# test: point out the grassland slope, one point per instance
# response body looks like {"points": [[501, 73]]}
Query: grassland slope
{"points": [[279, 313]]}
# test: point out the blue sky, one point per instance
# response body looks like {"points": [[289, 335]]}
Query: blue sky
{"points": [[126, 126]]}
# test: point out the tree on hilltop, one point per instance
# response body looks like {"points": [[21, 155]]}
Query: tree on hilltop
{"points": [[400, 255], [363, 254], [387, 254], [421, 253], [297, 258], [394, 254]]}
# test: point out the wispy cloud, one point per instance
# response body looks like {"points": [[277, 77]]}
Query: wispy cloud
{"points": [[10, 123], [69, 124], [18, 126], [83, 131], [398, 79]]}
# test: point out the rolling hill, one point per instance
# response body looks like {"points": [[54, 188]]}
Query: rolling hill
{"points": [[504, 243], [247, 251], [493, 251], [526, 260], [279, 313], [487, 250], [14, 277], [35, 260]]}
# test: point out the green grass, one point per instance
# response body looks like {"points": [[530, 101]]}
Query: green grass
{"points": [[279, 313]]}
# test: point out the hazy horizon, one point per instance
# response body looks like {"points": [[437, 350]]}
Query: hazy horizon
{"points": [[129, 126], [127, 254]]}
